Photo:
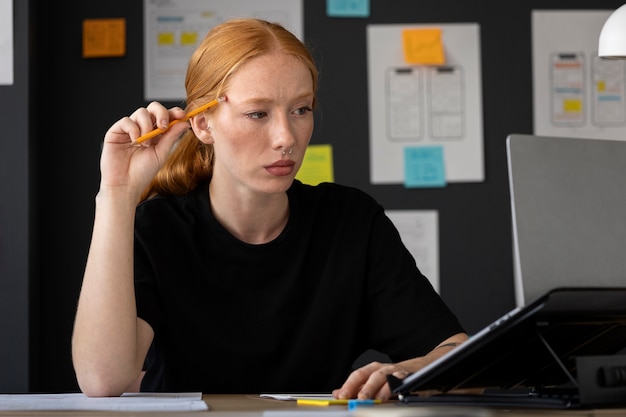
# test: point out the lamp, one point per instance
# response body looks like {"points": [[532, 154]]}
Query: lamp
{"points": [[612, 42]]}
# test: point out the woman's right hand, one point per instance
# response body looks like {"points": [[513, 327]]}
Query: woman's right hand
{"points": [[109, 341], [123, 162]]}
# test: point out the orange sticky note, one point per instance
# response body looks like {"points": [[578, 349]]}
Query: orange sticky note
{"points": [[104, 38], [423, 46]]}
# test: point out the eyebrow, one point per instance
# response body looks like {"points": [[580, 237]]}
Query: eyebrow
{"points": [[263, 100]]}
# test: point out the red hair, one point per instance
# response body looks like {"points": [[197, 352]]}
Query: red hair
{"points": [[224, 49]]}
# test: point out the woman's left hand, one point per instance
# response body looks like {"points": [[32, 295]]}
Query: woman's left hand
{"points": [[370, 381]]}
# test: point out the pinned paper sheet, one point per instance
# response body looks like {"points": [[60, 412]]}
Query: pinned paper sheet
{"points": [[317, 166], [424, 167], [104, 38], [423, 46]]}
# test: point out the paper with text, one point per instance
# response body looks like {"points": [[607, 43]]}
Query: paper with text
{"points": [[144, 401]]}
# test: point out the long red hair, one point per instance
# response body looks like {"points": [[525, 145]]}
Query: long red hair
{"points": [[224, 49]]}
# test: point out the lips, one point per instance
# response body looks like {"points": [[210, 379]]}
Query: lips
{"points": [[281, 168]]}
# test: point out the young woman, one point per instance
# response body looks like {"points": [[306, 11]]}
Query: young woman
{"points": [[212, 269]]}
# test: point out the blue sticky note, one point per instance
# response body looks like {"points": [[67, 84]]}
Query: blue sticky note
{"points": [[424, 167], [348, 8], [354, 404]]}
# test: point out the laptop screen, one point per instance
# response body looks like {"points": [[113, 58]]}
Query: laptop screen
{"points": [[568, 201]]}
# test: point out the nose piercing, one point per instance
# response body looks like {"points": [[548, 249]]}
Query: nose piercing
{"points": [[290, 151]]}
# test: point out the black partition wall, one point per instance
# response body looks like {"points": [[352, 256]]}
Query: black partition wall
{"points": [[74, 100], [15, 206]]}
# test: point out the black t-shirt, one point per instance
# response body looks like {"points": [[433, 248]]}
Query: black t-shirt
{"points": [[290, 315]]}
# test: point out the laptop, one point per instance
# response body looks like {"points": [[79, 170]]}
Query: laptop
{"points": [[532, 357], [568, 204], [569, 223]]}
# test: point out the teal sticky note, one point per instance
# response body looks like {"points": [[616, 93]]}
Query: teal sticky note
{"points": [[424, 167], [348, 8]]}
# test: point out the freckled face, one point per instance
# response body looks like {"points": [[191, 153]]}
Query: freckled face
{"points": [[268, 110]]}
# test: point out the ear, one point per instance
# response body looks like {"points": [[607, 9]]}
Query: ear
{"points": [[200, 126]]}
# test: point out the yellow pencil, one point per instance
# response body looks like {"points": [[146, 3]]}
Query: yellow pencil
{"points": [[189, 115], [303, 401], [325, 402]]}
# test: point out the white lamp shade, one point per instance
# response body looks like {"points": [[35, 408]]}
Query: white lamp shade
{"points": [[612, 42]]}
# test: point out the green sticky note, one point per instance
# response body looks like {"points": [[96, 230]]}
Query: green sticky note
{"points": [[424, 167]]}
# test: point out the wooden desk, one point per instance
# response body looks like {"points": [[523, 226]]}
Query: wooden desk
{"points": [[253, 406]]}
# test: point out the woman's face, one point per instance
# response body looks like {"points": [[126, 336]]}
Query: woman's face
{"points": [[260, 133]]}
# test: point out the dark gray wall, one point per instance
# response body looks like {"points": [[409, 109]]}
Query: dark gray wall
{"points": [[14, 214], [75, 100]]}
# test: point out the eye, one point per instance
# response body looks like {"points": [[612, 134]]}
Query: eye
{"points": [[302, 110], [256, 115]]}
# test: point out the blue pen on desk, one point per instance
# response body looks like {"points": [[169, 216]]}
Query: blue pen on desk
{"points": [[353, 404]]}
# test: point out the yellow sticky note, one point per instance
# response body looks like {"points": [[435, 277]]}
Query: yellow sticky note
{"points": [[104, 38], [423, 46], [317, 166], [166, 39], [573, 106], [189, 38]]}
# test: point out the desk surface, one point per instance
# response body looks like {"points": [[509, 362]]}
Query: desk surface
{"points": [[253, 406]]}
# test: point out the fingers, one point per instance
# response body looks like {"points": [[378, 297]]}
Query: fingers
{"points": [[363, 383], [376, 385], [370, 381], [143, 121], [123, 163], [156, 116]]}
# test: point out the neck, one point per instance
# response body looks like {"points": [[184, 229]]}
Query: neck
{"points": [[253, 218]]}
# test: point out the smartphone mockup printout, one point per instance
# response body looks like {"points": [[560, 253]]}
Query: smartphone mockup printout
{"points": [[608, 92], [567, 88], [446, 108], [404, 103]]}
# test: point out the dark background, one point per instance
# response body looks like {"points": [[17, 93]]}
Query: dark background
{"points": [[55, 115]]}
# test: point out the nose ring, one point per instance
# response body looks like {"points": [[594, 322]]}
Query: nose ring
{"points": [[289, 152]]}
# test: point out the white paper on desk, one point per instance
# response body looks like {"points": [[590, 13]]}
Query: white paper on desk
{"points": [[144, 401], [304, 412], [295, 397]]}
